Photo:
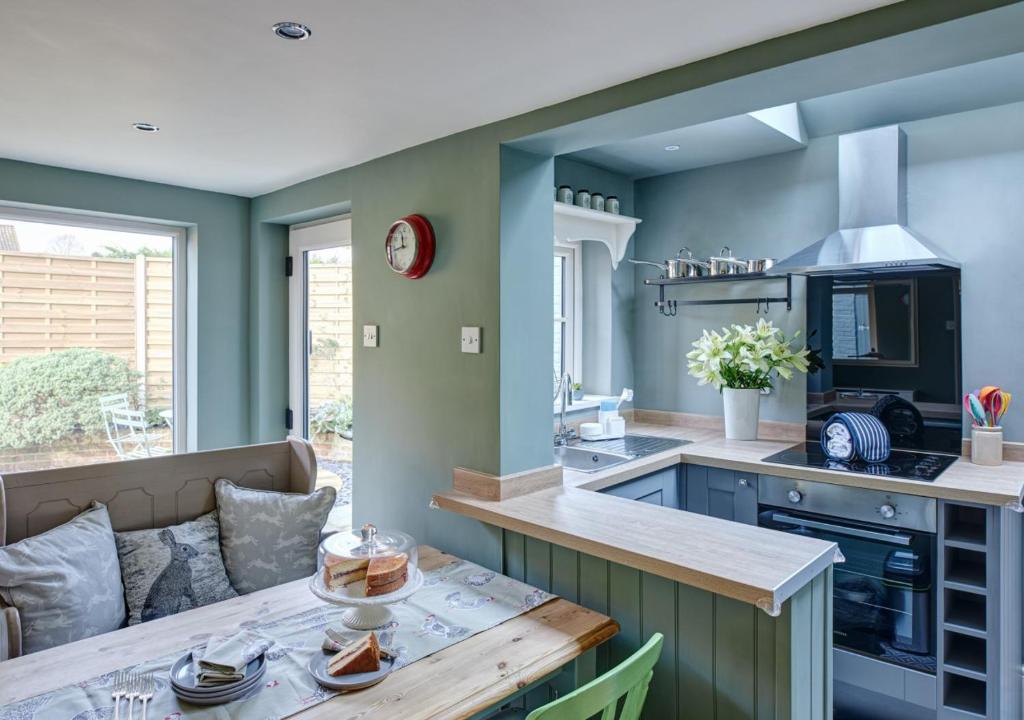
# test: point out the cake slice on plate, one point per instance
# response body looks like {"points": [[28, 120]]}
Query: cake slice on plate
{"points": [[342, 571], [387, 574], [362, 655]]}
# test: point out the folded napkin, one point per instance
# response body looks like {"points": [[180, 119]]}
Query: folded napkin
{"points": [[848, 435], [224, 658]]}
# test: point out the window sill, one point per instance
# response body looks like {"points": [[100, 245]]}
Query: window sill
{"points": [[589, 402]]}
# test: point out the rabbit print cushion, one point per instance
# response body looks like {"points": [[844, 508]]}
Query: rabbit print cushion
{"points": [[65, 582], [173, 569]]}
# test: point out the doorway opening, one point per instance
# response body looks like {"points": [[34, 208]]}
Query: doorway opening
{"points": [[320, 354]]}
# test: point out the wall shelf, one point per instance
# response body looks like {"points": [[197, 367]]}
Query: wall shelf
{"points": [[575, 224], [670, 307]]}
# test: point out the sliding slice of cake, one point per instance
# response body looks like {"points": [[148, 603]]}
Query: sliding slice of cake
{"points": [[363, 655], [386, 574], [342, 571]]}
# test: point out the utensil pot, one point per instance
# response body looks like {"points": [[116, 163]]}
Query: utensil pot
{"points": [[987, 445]]}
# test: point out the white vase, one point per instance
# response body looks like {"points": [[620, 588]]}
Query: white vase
{"points": [[741, 411]]}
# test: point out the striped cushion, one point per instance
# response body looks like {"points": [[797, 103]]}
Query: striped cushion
{"points": [[849, 435]]}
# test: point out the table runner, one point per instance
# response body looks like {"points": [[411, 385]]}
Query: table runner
{"points": [[457, 600]]}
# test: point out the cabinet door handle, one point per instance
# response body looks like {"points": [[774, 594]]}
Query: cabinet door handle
{"points": [[743, 482]]}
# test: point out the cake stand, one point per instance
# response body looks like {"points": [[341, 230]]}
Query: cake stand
{"points": [[365, 613]]}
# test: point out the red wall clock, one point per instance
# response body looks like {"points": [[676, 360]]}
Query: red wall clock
{"points": [[410, 246]]}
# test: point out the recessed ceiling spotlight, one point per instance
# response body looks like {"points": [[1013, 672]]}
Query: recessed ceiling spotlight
{"points": [[146, 127], [671, 148], [292, 31]]}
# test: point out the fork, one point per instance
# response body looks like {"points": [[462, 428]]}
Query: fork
{"points": [[120, 688], [147, 686], [133, 692]]}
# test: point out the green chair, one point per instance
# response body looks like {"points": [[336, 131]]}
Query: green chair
{"points": [[629, 678]]}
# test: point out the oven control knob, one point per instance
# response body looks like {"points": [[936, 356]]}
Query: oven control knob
{"points": [[887, 511], [795, 496]]}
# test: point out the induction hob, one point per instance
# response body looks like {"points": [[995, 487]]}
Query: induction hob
{"points": [[903, 464]]}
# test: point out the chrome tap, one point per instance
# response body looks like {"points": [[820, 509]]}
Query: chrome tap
{"points": [[564, 434]]}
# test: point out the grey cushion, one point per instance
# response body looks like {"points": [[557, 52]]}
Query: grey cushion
{"points": [[268, 538], [66, 582], [173, 569]]}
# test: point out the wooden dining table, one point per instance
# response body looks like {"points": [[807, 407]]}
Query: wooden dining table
{"points": [[460, 681]]}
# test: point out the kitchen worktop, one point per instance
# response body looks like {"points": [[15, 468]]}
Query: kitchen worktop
{"points": [[963, 481], [747, 563]]}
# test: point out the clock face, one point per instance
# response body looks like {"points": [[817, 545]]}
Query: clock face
{"points": [[402, 246], [410, 246]]}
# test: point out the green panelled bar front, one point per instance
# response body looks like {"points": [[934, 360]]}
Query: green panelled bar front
{"points": [[722, 660]]}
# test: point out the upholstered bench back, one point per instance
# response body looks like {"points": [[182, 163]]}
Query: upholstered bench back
{"points": [[151, 492]]}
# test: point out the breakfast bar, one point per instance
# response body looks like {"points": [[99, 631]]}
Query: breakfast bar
{"points": [[673, 538]]}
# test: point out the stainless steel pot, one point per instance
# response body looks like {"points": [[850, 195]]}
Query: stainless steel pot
{"points": [[669, 268], [692, 268], [678, 267], [725, 264], [758, 265]]}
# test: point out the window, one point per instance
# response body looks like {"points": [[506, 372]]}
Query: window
{"points": [[92, 333], [567, 291]]}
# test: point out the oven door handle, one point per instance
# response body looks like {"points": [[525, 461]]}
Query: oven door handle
{"points": [[893, 538]]}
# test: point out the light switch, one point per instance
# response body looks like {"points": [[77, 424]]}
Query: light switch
{"points": [[369, 336], [471, 340]]}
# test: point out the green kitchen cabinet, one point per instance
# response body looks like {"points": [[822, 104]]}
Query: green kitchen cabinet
{"points": [[721, 493]]}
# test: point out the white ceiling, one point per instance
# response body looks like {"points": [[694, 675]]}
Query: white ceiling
{"points": [[243, 112]]}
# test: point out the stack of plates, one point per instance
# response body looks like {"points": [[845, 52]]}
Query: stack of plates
{"points": [[184, 686]]}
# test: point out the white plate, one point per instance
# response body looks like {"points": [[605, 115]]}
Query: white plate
{"points": [[183, 677], [357, 681]]}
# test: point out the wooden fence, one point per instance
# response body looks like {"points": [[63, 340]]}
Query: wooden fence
{"points": [[330, 323], [55, 302]]}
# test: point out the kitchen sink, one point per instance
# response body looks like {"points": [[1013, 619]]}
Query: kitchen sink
{"points": [[591, 456], [585, 459]]}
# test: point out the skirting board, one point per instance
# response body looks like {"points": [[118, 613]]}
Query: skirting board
{"points": [[766, 429], [502, 487]]}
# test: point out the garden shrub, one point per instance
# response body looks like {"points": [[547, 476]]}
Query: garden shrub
{"points": [[47, 398], [334, 416]]}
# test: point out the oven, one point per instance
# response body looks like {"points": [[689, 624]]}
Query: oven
{"points": [[884, 593]]}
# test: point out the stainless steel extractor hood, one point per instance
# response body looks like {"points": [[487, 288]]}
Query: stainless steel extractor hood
{"points": [[872, 234]]}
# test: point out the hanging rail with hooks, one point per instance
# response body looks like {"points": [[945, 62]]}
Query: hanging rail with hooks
{"points": [[670, 308]]}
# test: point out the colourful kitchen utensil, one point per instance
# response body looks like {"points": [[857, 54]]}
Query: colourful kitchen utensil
{"points": [[975, 409], [1000, 404], [995, 408]]}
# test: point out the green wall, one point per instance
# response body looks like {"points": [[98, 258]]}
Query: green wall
{"points": [[421, 406], [220, 225]]}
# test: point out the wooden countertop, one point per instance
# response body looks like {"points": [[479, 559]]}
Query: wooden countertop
{"points": [[758, 566], [751, 564], [963, 480], [478, 672]]}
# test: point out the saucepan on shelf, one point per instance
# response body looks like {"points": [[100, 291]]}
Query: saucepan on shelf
{"points": [[725, 263], [760, 265], [679, 266]]}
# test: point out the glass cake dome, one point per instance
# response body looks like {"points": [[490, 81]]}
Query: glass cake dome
{"points": [[367, 562]]}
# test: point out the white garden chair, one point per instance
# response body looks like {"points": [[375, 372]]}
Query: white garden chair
{"points": [[129, 434]]}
